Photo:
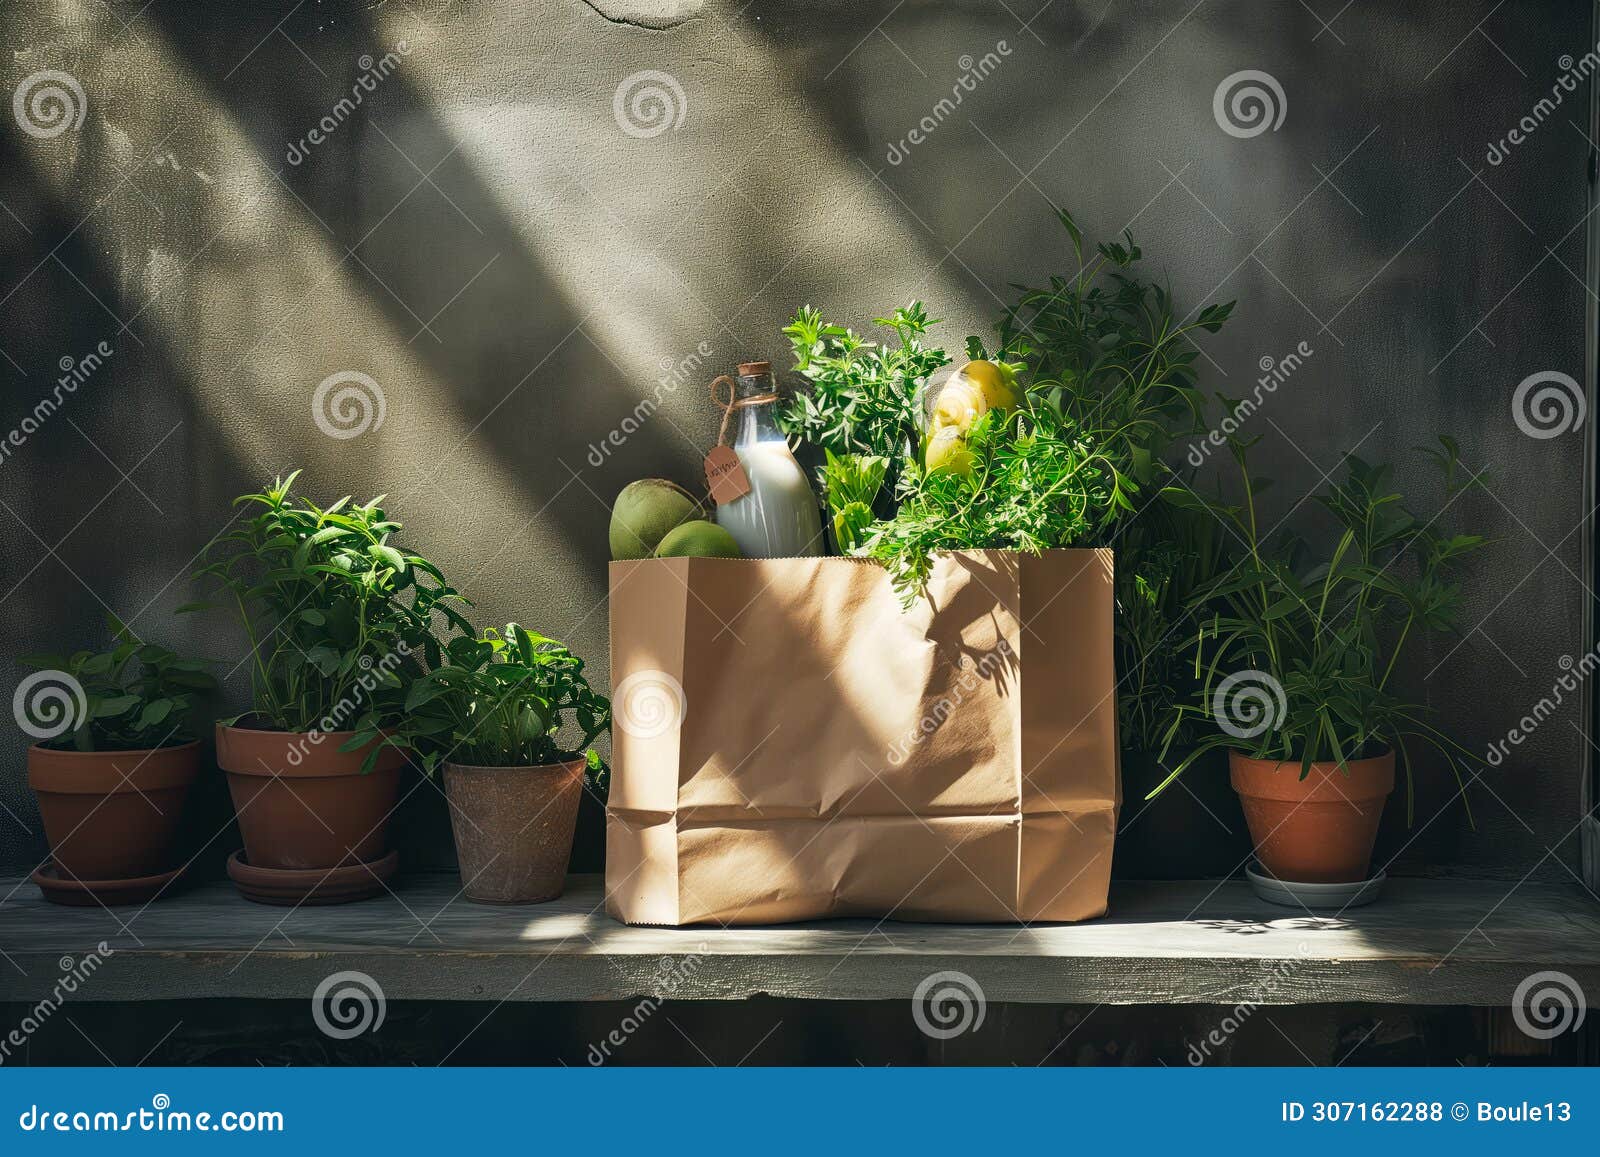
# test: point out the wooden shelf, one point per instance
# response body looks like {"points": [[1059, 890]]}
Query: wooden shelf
{"points": [[1424, 942]]}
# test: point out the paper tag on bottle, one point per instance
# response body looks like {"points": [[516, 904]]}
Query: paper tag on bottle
{"points": [[725, 476]]}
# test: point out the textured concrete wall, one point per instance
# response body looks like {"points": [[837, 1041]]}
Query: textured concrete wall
{"points": [[513, 269]]}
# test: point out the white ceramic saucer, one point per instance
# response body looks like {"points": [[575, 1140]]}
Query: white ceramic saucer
{"points": [[1292, 895]]}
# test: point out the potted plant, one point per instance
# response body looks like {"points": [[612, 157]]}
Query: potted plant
{"points": [[499, 707], [339, 621], [112, 766], [1109, 347], [1197, 830], [1297, 669]]}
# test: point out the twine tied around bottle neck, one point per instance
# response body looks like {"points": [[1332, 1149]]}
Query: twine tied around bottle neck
{"points": [[735, 402]]}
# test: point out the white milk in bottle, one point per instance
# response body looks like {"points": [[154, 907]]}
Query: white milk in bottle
{"points": [[778, 518]]}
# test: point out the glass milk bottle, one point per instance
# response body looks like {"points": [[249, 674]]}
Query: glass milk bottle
{"points": [[778, 518]]}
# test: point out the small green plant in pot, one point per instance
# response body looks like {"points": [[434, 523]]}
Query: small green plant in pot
{"points": [[340, 622], [112, 765], [515, 717], [1295, 670]]}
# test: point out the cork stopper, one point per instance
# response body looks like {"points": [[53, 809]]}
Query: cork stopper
{"points": [[750, 369]]}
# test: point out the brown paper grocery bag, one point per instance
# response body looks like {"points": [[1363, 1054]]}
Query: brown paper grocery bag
{"points": [[789, 743]]}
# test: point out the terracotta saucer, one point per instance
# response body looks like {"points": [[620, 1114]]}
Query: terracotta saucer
{"points": [[289, 887], [62, 889]]}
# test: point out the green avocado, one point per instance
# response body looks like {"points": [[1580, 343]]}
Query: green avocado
{"points": [[699, 539], [643, 514]]}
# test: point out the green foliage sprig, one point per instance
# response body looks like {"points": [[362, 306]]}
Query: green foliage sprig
{"points": [[1036, 483], [864, 398], [339, 617], [136, 695], [1108, 347], [851, 484], [504, 699]]}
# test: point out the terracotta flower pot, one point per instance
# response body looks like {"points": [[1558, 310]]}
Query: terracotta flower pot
{"points": [[302, 803], [111, 815], [513, 828], [1317, 830]]}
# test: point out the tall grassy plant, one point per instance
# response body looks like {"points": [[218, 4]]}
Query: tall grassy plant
{"points": [[1312, 648], [1164, 556], [1108, 349], [850, 484], [1111, 356]]}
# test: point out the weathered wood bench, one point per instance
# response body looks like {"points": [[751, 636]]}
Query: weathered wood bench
{"points": [[1426, 942]]}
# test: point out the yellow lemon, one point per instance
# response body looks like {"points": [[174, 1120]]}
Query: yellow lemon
{"points": [[960, 404], [996, 382], [948, 452], [970, 393]]}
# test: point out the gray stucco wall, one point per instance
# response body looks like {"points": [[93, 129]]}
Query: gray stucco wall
{"points": [[483, 239]]}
